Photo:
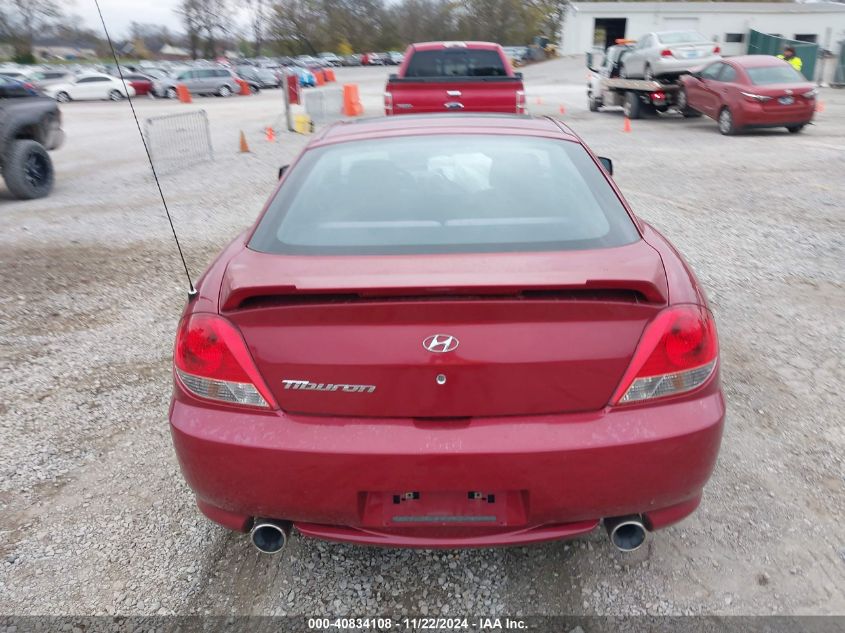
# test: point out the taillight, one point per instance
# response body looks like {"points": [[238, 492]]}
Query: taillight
{"points": [[212, 361], [520, 102], [388, 103], [666, 53], [677, 353], [756, 97], [717, 50]]}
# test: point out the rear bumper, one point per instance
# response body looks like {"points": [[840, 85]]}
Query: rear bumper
{"points": [[561, 474], [756, 115]]}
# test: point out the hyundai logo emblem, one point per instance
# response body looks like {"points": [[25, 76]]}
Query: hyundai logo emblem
{"points": [[440, 343]]}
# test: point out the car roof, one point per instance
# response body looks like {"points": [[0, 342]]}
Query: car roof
{"points": [[436, 46], [455, 123], [755, 61]]}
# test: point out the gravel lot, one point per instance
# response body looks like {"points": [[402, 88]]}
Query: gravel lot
{"points": [[96, 518]]}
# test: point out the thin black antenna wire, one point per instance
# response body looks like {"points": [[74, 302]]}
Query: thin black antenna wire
{"points": [[191, 290]]}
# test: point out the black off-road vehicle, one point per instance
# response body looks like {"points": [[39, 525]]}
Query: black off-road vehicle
{"points": [[29, 126]]}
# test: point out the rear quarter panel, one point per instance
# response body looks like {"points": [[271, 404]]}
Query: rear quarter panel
{"points": [[683, 286]]}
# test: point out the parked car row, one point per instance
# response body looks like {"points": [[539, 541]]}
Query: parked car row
{"points": [[159, 79]]}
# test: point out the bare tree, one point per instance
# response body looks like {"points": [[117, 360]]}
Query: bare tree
{"points": [[258, 23], [191, 14], [22, 19], [295, 24]]}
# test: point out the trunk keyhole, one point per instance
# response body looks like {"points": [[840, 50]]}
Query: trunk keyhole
{"points": [[441, 379]]}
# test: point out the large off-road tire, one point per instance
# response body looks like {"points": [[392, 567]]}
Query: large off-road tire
{"points": [[28, 170]]}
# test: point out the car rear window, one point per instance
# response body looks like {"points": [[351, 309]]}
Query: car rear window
{"points": [[780, 74], [681, 37], [456, 62], [444, 194]]}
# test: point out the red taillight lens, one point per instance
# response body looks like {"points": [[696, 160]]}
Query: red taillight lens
{"points": [[388, 103], [755, 97], [666, 53], [677, 353], [213, 362], [520, 102], [717, 50]]}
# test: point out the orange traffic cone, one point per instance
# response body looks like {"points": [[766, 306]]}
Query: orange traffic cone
{"points": [[819, 106], [562, 109], [626, 127], [271, 134], [183, 93], [244, 146], [352, 101]]}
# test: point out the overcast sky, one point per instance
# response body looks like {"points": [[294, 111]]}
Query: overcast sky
{"points": [[120, 13]]}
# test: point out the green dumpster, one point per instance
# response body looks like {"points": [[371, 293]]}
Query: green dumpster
{"points": [[765, 44]]}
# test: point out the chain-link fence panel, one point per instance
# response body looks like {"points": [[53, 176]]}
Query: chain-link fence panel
{"points": [[178, 140], [324, 105]]}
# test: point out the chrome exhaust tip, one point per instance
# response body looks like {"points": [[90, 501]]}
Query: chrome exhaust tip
{"points": [[270, 536], [627, 533]]}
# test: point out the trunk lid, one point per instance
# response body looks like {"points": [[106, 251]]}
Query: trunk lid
{"points": [[530, 333], [692, 50]]}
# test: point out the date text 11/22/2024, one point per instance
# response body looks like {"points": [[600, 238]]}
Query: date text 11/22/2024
{"points": [[417, 624]]}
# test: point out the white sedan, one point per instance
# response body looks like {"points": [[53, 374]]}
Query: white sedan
{"points": [[90, 86]]}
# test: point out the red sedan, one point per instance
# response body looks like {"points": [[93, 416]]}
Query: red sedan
{"points": [[447, 331], [750, 91], [142, 83]]}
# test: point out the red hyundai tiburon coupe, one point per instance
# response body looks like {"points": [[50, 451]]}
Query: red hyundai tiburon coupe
{"points": [[447, 331]]}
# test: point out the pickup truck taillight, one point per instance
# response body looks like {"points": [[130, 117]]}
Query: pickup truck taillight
{"points": [[666, 53], [520, 102], [388, 103]]}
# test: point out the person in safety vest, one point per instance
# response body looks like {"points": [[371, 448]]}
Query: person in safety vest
{"points": [[790, 56]]}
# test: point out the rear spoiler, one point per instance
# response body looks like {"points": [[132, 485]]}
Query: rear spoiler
{"points": [[591, 290], [633, 269]]}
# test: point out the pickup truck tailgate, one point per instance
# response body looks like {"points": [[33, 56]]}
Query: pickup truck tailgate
{"points": [[499, 94]]}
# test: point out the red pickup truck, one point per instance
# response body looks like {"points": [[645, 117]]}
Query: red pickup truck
{"points": [[454, 77]]}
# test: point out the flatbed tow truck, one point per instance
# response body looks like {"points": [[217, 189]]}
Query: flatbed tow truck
{"points": [[638, 97]]}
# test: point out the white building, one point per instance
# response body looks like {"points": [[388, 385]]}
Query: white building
{"points": [[589, 25]]}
